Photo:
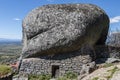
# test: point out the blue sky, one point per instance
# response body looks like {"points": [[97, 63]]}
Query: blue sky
{"points": [[12, 12]]}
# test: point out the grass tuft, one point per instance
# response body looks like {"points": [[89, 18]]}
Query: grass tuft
{"points": [[95, 78], [4, 70], [112, 71], [68, 76], [107, 65], [39, 77]]}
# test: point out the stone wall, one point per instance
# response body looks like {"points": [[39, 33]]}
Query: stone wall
{"points": [[67, 62], [71, 62]]}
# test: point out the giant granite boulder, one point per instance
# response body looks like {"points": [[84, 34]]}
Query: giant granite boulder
{"points": [[62, 28]]}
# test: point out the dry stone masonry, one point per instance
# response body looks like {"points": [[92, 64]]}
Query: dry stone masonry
{"points": [[60, 38], [64, 63]]}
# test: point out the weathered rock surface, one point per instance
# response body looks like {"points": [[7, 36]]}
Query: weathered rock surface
{"points": [[62, 28], [20, 77], [112, 60], [114, 39], [108, 73]]}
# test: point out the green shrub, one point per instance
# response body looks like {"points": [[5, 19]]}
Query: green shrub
{"points": [[71, 75], [39, 77], [4, 70]]}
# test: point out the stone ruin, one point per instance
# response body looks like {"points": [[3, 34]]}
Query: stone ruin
{"points": [[60, 38]]}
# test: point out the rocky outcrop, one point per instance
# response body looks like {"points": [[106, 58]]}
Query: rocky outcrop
{"points": [[114, 39], [105, 73], [63, 28]]}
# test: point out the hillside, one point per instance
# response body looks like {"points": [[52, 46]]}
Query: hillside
{"points": [[9, 50]]}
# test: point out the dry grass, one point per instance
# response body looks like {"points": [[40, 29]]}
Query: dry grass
{"points": [[4, 70]]}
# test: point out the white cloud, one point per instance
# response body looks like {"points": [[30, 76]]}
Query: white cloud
{"points": [[17, 19], [115, 19]]}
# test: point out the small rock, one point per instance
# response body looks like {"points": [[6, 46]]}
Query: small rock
{"points": [[112, 60]]}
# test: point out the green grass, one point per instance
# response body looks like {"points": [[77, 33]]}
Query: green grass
{"points": [[95, 78], [112, 71], [68, 76], [4, 70], [107, 65], [9, 53], [63, 78], [39, 77]]}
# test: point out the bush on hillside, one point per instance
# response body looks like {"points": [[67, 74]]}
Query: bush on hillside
{"points": [[4, 70]]}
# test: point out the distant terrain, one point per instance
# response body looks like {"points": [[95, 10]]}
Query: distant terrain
{"points": [[10, 50]]}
